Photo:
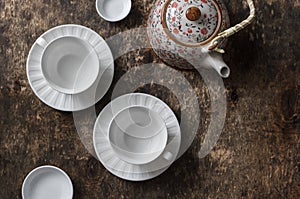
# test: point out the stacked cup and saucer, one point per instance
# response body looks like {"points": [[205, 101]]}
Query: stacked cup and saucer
{"points": [[67, 64], [136, 137]]}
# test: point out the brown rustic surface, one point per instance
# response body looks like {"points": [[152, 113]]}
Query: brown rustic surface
{"points": [[257, 155]]}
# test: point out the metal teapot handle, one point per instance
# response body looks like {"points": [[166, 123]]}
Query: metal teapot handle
{"points": [[230, 31]]}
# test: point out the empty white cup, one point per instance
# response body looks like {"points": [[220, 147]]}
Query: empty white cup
{"points": [[47, 182], [113, 10], [69, 64], [138, 135]]}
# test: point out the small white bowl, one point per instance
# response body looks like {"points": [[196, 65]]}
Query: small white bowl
{"points": [[138, 135], [113, 10], [47, 182], [70, 65]]}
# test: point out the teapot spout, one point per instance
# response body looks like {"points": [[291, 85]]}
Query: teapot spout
{"points": [[215, 60]]}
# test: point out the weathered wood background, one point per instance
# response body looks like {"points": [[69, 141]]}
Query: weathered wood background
{"points": [[257, 155]]}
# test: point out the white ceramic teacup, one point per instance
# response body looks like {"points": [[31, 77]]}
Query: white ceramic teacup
{"points": [[138, 135], [113, 10], [69, 64], [47, 182]]}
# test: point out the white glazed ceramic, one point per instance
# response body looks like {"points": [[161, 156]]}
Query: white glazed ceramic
{"points": [[62, 101], [191, 33], [138, 121], [109, 158], [47, 182], [69, 64], [113, 10], [137, 135]]}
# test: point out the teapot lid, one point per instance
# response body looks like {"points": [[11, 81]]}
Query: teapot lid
{"points": [[191, 22]]}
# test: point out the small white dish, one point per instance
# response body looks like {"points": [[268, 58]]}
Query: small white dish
{"points": [[63, 101], [47, 182], [69, 64], [113, 10], [138, 135], [110, 159]]}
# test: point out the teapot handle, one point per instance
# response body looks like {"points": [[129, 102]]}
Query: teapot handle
{"points": [[230, 31]]}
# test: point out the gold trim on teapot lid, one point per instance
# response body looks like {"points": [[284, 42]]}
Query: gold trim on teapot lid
{"points": [[191, 22]]}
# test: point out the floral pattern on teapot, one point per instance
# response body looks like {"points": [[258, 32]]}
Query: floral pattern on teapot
{"points": [[191, 31], [176, 53]]}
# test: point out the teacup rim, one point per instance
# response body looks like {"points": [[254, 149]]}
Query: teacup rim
{"points": [[159, 131], [65, 90]]}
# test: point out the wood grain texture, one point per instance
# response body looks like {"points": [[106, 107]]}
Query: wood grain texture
{"points": [[257, 155]]}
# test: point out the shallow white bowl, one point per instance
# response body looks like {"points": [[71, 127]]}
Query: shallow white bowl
{"points": [[113, 10], [47, 182], [138, 135], [70, 65]]}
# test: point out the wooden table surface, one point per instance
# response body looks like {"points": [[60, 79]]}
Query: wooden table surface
{"points": [[257, 155]]}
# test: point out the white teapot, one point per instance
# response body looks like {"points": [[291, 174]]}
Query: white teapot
{"points": [[185, 33]]}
